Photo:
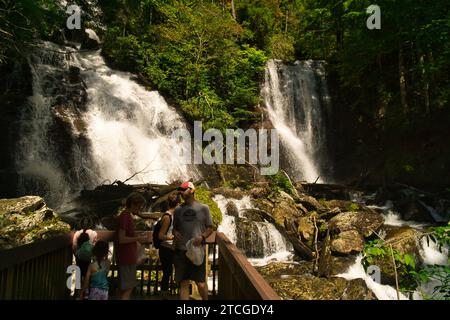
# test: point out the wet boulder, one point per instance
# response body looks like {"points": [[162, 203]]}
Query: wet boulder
{"points": [[249, 239], [254, 215], [366, 223], [404, 239], [232, 209], [348, 242], [310, 203], [90, 40]]}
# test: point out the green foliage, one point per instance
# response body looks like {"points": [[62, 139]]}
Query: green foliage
{"points": [[436, 273], [282, 47], [439, 235], [190, 51], [411, 276], [377, 250], [204, 196], [279, 182], [21, 21], [352, 207]]}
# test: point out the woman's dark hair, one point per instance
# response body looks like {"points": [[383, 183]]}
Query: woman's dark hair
{"points": [[173, 200], [100, 250], [85, 222], [135, 197], [84, 237]]}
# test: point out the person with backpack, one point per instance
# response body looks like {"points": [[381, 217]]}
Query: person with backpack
{"points": [[96, 280], [85, 227], [83, 253], [163, 241]]}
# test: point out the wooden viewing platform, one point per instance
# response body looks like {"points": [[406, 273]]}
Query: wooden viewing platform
{"points": [[38, 272]]}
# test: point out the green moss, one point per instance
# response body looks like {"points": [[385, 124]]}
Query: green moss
{"points": [[204, 196], [323, 227], [352, 207], [324, 203]]}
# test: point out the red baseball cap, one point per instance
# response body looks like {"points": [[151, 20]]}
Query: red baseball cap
{"points": [[187, 185]]}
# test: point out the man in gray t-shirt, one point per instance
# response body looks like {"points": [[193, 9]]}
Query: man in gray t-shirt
{"points": [[192, 220]]}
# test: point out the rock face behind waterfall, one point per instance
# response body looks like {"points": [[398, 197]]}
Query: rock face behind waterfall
{"points": [[26, 220], [53, 154], [17, 86]]}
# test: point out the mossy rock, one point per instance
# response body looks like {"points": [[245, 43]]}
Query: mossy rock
{"points": [[348, 242], [204, 196], [308, 287], [279, 270], [26, 220], [366, 223]]}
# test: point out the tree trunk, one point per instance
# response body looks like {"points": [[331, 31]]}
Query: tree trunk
{"points": [[402, 80], [425, 85], [233, 10], [286, 26]]}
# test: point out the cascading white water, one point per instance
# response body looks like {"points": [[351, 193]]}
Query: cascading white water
{"points": [[429, 254], [275, 246], [38, 159], [129, 127], [121, 129], [296, 99]]}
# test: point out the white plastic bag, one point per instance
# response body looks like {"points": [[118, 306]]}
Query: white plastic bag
{"points": [[141, 254], [195, 253]]}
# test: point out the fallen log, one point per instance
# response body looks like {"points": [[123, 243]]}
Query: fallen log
{"points": [[106, 199]]}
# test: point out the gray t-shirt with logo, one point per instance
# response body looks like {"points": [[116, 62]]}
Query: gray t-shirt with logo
{"points": [[190, 221]]}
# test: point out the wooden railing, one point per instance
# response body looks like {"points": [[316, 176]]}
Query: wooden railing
{"points": [[238, 279], [38, 271], [149, 272]]}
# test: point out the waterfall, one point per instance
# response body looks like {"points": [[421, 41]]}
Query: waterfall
{"points": [[129, 127], [86, 124], [296, 100], [274, 247]]}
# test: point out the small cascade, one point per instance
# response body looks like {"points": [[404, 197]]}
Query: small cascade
{"points": [[428, 251], [259, 240]]}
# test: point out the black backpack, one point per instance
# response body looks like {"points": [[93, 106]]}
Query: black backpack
{"points": [[157, 227]]}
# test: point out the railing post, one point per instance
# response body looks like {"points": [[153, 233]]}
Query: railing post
{"points": [[9, 283]]}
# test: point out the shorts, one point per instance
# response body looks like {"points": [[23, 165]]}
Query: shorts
{"points": [[186, 270], [84, 265], [98, 294], [127, 277]]}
